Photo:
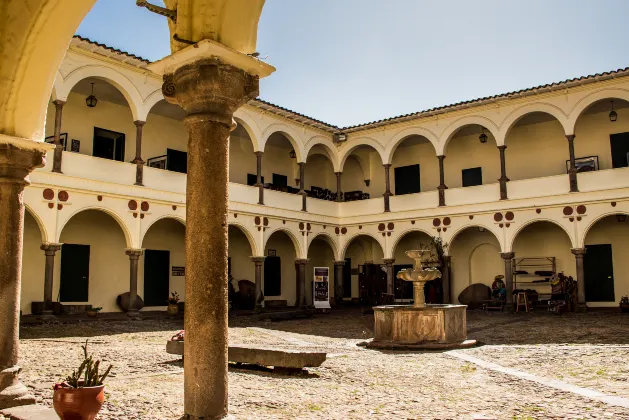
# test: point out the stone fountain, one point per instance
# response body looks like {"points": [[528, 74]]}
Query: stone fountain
{"points": [[420, 326]]}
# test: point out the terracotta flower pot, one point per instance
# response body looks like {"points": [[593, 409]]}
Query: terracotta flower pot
{"points": [[173, 309], [79, 403], [624, 308]]}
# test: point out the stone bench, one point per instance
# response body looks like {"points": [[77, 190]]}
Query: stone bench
{"points": [[291, 360]]}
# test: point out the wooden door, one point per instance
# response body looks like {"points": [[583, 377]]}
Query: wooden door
{"points": [[599, 274], [272, 276], [75, 273], [156, 277]]}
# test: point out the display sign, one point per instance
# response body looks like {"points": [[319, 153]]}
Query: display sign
{"points": [[179, 271], [321, 287]]}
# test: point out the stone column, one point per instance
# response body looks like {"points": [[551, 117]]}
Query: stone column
{"points": [[49, 250], [503, 173], [58, 156], [442, 182], [572, 172], [339, 290], [387, 184], [302, 182], [300, 271], [579, 253], [508, 257], [339, 194], [259, 182], [139, 170], [209, 92], [15, 165], [134, 256], [259, 262], [445, 278], [390, 278]]}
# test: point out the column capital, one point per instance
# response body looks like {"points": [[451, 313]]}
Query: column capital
{"points": [[389, 261], [134, 254], [50, 248], [503, 147], [59, 103], [339, 263], [570, 137], [387, 165], [441, 157], [258, 260], [301, 261], [579, 252], [258, 153], [139, 123], [338, 173], [507, 255], [447, 258], [16, 162]]}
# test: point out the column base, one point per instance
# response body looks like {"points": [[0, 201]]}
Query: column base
{"points": [[581, 307], [509, 307], [48, 316], [258, 309], [134, 314], [12, 392]]}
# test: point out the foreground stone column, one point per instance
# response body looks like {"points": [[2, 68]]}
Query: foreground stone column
{"points": [[503, 173], [390, 278], [442, 182], [259, 182], [302, 183], [209, 91], [387, 184], [572, 172], [139, 170], [508, 257], [339, 193], [300, 270], [339, 290], [15, 165], [58, 156], [445, 278], [49, 250], [259, 262], [134, 257], [579, 253]]}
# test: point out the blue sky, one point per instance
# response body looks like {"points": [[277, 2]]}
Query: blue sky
{"points": [[353, 61]]}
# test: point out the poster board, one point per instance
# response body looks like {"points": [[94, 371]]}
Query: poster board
{"points": [[321, 286]]}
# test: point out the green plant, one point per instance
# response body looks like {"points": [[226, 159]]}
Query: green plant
{"points": [[624, 300], [87, 375], [97, 309], [173, 299]]}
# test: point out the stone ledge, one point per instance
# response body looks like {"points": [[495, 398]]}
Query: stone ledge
{"points": [[30, 412], [390, 345]]}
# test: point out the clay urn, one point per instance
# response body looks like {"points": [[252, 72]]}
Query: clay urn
{"points": [[78, 403]]}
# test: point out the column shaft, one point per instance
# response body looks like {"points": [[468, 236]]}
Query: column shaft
{"points": [[259, 262], [139, 170], [339, 290], [134, 256], [259, 182], [445, 278], [302, 183], [442, 182], [58, 154], [503, 173], [339, 193], [300, 271], [390, 277], [572, 172], [387, 191], [579, 254], [508, 257], [49, 250]]}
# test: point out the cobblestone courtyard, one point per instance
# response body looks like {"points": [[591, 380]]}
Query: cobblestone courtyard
{"points": [[577, 366]]}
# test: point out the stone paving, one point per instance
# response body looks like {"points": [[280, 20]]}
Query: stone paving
{"points": [[584, 350]]}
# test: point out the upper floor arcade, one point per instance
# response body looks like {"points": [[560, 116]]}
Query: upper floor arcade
{"points": [[543, 143]]}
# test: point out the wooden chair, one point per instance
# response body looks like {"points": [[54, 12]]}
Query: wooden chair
{"points": [[521, 299]]}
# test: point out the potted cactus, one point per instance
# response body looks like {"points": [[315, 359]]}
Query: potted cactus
{"points": [[173, 300], [93, 312], [624, 304], [82, 394]]}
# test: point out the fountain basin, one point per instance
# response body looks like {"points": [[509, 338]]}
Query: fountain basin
{"points": [[432, 327]]}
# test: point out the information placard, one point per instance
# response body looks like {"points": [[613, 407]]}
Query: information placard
{"points": [[321, 286]]}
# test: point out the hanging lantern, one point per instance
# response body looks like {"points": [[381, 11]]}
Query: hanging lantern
{"points": [[621, 218], [613, 116], [91, 100], [292, 154], [483, 136]]}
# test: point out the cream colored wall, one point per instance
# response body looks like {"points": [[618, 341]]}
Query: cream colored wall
{"points": [[422, 154], [159, 133], [320, 254], [242, 159], [592, 135], [465, 152], [353, 178], [166, 235], [285, 249], [610, 231], [276, 160], [33, 265], [320, 173], [239, 251], [412, 240], [475, 259]]}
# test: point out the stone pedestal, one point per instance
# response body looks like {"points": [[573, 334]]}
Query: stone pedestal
{"points": [[430, 327]]}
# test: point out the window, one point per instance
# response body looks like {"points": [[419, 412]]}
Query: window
{"points": [[620, 149], [472, 177], [280, 180], [177, 161], [407, 180], [108, 144], [252, 179]]}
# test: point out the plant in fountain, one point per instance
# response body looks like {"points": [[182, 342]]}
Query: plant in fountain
{"points": [[419, 275]]}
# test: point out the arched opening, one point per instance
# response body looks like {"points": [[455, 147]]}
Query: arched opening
{"points": [[164, 252], [320, 180], [33, 266], [320, 254], [536, 137], [279, 276], [472, 157], [164, 141], [601, 143], [414, 166], [541, 249], [242, 158], [606, 267], [404, 289], [363, 174], [92, 267], [240, 269], [365, 278], [279, 164], [475, 259]]}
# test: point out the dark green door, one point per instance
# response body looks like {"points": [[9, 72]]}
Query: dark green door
{"points": [[75, 273], [156, 277], [272, 276], [599, 274]]}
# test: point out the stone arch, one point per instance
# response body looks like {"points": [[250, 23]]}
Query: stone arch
{"points": [[471, 262], [42, 227], [298, 248], [403, 135], [112, 76], [152, 100], [521, 112], [531, 222], [346, 151], [250, 237], [588, 228], [355, 236], [476, 225], [402, 235], [125, 229], [251, 127], [585, 102], [455, 126], [327, 238], [289, 133], [328, 146], [154, 222]]}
